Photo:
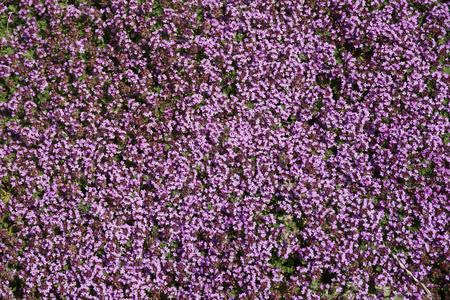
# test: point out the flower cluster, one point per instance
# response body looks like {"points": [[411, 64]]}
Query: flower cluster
{"points": [[157, 149]]}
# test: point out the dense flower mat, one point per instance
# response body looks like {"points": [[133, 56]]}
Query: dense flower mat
{"points": [[224, 149]]}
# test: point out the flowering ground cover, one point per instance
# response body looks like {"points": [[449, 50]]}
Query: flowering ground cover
{"points": [[179, 149]]}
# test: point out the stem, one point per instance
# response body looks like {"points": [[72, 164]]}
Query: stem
{"points": [[409, 273], [7, 24]]}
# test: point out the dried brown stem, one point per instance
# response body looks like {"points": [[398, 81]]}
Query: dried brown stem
{"points": [[410, 274]]}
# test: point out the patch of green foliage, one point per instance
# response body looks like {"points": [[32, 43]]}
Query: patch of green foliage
{"points": [[83, 207], [428, 171], [157, 8], [5, 196]]}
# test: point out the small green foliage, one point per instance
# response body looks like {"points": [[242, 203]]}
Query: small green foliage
{"points": [[239, 37], [6, 51], [118, 157], [445, 138], [5, 196], [83, 207], [236, 291], [156, 26], [322, 33], [12, 8], [6, 222], [169, 255], [101, 251], [230, 89], [92, 292], [339, 141], [338, 56], [318, 104], [42, 25], [233, 199], [385, 221], [445, 113], [314, 285], [330, 152], [415, 227], [363, 246], [429, 171], [157, 89], [39, 193], [16, 286], [292, 119], [200, 16], [386, 120], [43, 97], [30, 54], [378, 269], [157, 8], [129, 242]]}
